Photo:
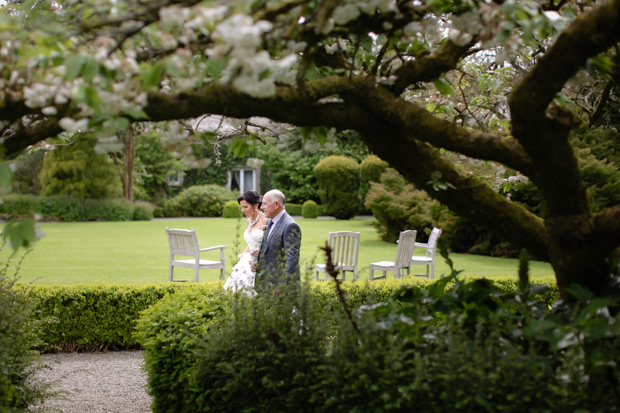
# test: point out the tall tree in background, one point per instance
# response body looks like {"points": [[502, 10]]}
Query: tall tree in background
{"points": [[398, 72]]}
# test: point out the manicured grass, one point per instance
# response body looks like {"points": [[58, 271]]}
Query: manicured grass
{"points": [[127, 252]]}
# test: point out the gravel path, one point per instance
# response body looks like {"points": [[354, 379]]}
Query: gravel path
{"points": [[96, 382]]}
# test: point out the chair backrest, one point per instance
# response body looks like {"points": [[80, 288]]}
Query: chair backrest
{"points": [[183, 242], [345, 247], [432, 240], [406, 241]]}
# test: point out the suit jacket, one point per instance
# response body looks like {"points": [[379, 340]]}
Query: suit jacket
{"points": [[278, 257]]}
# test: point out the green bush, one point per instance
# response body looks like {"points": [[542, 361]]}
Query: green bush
{"points": [[143, 211], [371, 168], [93, 317], [293, 209], [339, 183], [199, 201], [231, 210], [171, 332], [67, 208], [310, 209], [19, 387], [77, 170], [206, 350]]}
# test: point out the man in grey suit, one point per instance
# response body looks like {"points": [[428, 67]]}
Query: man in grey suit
{"points": [[278, 256]]}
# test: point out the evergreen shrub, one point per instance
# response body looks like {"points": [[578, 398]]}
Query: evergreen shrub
{"points": [[204, 351], [170, 332], [77, 170], [231, 210], [93, 317], [199, 201], [310, 209], [293, 209], [372, 167], [19, 387], [70, 209], [339, 183]]}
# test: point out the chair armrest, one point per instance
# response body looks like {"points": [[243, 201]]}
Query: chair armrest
{"points": [[213, 248], [421, 245]]}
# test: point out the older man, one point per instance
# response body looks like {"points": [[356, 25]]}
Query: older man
{"points": [[278, 256]]}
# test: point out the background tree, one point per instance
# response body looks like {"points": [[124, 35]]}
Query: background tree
{"points": [[392, 70], [77, 170]]}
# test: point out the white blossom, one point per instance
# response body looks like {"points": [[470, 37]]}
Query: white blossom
{"points": [[72, 126], [49, 111]]}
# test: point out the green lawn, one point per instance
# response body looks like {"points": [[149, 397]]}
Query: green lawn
{"points": [[124, 252]]}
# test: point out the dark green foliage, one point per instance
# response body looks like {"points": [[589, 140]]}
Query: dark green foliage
{"points": [[18, 340], [293, 209], [310, 209], [398, 206], [372, 167], [153, 166], [143, 211], [289, 162], [171, 333], [27, 169], [208, 351], [199, 201], [93, 317], [66, 208], [77, 170], [231, 210], [339, 184]]}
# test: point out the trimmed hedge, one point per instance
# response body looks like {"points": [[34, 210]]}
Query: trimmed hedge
{"points": [[69, 209], [231, 210], [94, 317], [338, 178], [310, 209], [211, 351]]}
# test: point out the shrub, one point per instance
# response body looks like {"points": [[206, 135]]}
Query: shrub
{"points": [[310, 209], [199, 201], [231, 210], [339, 183], [170, 333], [79, 171], [293, 209], [143, 211], [93, 317], [66, 208], [398, 206], [19, 387]]}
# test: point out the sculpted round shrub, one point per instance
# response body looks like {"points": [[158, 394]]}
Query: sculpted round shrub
{"points": [[339, 184], [310, 209], [231, 210], [199, 201]]}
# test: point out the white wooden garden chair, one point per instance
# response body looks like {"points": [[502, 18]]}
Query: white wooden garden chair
{"points": [[184, 242], [403, 257], [430, 248], [345, 247]]}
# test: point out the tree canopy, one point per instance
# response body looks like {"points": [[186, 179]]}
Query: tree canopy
{"points": [[498, 81]]}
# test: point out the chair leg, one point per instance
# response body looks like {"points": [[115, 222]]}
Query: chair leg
{"points": [[371, 274], [170, 273], [222, 274], [196, 274], [433, 269]]}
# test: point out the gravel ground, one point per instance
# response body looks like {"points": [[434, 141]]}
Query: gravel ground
{"points": [[96, 382]]}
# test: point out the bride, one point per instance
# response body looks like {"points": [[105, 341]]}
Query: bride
{"points": [[242, 277]]}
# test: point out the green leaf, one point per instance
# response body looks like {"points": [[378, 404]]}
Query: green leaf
{"points": [[20, 234], [73, 66], [90, 69], [6, 175], [153, 78], [238, 147], [136, 113], [215, 68], [443, 87]]}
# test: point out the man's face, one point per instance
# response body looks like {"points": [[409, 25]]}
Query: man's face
{"points": [[270, 206]]}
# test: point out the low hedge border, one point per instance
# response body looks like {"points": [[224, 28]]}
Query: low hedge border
{"points": [[99, 317], [70, 209]]}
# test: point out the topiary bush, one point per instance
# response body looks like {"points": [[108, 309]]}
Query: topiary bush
{"points": [[339, 183], [293, 209], [199, 201], [310, 209], [231, 210], [143, 211], [79, 171], [19, 337]]}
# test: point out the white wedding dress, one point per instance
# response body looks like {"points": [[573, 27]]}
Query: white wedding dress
{"points": [[242, 277]]}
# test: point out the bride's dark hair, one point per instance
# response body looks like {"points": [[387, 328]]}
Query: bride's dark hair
{"points": [[251, 197]]}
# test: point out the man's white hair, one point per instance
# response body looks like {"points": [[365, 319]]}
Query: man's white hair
{"points": [[277, 195]]}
